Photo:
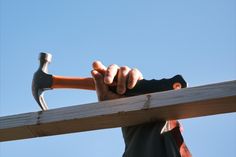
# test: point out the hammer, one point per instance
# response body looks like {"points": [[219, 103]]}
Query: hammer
{"points": [[43, 81]]}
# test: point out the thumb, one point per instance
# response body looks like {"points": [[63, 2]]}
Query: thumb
{"points": [[100, 86]]}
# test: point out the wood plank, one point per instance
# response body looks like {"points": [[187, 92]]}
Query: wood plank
{"points": [[185, 103]]}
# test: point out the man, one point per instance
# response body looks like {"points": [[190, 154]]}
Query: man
{"points": [[154, 139]]}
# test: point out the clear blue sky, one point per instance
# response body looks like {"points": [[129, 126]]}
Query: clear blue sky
{"points": [[162, 38]]}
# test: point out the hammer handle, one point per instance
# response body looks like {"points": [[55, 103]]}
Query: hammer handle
{"points": [[73, 82], [142, 86]]}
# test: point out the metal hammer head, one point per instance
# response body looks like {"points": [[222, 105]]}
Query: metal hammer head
{"points": [[42, 80]]}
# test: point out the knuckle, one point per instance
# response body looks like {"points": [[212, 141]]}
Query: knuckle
{"points": [[124, 68], [135, 70], [111, 69], [113, 66]]}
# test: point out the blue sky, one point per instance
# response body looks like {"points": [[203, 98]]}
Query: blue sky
{"points": [[162, 38]]}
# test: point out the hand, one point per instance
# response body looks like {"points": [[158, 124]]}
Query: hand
{"points": [[113, 75]]}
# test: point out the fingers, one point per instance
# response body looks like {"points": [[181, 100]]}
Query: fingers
{"points": [[111, 73], [127, 78], [99, 81], [102, 89], [98, 66], [123, 76], [134, 76]]}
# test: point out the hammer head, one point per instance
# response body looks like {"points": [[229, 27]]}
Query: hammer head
{"points": [[42, 80]]}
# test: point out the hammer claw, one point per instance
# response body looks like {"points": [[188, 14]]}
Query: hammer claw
{"points": [[43, 81], [42, 103]]}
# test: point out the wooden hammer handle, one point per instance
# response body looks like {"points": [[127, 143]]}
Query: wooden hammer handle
{"points": [[73, 82]]}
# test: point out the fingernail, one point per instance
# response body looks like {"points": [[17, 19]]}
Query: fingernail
{"points": [[130, 86], [96, 64], [120, 91], [93, 72]]}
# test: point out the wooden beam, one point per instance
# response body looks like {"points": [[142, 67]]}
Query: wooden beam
{"points": [[185, 103]]}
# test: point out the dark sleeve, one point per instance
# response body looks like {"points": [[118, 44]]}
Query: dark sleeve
{"points": [[148, 140], [144, 140]]}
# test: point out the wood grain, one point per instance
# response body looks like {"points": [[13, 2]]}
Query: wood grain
{"points": [[185, 103]]}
